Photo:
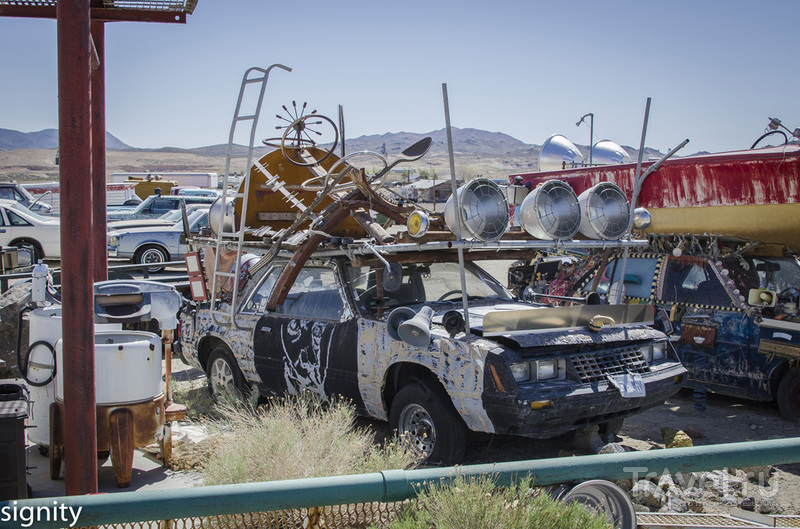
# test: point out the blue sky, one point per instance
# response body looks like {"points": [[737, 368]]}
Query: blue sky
{"points": [[715, 70]]}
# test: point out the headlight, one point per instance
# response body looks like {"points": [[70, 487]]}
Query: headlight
{"points": [[112, 240], [546, 369], [521, 371], [659, 351], [550, 369], [647, 353]]}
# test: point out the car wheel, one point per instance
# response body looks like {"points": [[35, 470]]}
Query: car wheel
{"points": [[425, 417], [33, 248], [612, 427], [223, 373], [788, 396], [151, 254]]}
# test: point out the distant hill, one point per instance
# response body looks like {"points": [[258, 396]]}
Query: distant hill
{"points": [[482, 152], [45, 139]]}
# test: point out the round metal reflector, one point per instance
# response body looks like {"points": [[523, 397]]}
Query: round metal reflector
{"points": [[606, 152], [551, 211], [221, 211], [604, 497], [484, 211], [559, 153], [641, 219], [605, 212]]}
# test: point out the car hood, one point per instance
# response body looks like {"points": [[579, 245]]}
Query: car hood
{"points": [[558, 333], [118, 225]]}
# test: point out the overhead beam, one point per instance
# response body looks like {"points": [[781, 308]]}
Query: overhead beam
{"points": [[100, 14]]}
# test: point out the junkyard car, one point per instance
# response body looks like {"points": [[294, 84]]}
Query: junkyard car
{"points": [[21, 227], [334, 336], [734, 310], [401, 324], [16, 192], [155, 244], [167, 219], [155, 206]]}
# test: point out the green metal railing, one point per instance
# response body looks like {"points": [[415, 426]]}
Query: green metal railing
{"points": [[398, 485]]}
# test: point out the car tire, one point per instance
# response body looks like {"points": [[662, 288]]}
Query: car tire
{"points": [[426, 418], [223, 372], [611, 428], [33, 248], [788, 395], [151, 254]]}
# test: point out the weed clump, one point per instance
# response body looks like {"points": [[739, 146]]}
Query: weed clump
{"points": [[478, 503], [295, 437]]}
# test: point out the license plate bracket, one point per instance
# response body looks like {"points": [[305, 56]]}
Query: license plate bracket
{"points": [[630, 385]]}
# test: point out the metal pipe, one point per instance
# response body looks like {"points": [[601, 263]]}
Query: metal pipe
{"points": [[456, 205], [399, 485], [617, 295], [74, 135], [99, 244]]}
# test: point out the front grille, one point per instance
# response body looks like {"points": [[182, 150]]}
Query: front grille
{"points": [[592, 367]]}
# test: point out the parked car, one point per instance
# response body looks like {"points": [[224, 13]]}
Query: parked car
{"points": [[344, 331], [155, 206], [16, 192], [23, 228], [194, 191], [167, 219], [733, 307], [153, 244]]}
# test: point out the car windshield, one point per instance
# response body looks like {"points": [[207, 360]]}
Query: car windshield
{"points": [[22, 211], [423, 283], [777, 273]]}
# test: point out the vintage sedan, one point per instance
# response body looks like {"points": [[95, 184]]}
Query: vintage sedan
{"points": [[154, 206], [396, 345], [23, 228], [155, 244]]}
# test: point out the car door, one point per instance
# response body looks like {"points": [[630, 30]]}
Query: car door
{"points": [[5, 228], [713, 333], [311, 342]]}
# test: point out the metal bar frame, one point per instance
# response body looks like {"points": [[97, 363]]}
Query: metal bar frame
{"points": [[399, 485]]}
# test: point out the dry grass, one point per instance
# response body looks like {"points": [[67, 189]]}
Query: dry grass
{"points": [[478, 504], [296, 437]]}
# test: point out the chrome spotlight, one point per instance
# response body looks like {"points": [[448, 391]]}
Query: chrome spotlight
{"points": [[484, 211], [551, 211], [605, 212]]}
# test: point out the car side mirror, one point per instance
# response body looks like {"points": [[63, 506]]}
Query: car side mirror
{"points": [[661, 322]]}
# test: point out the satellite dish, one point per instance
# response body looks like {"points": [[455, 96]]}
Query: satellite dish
{"points": [[484, 211], [606, 152], [556, 151], [551, 211], [605, 212]]}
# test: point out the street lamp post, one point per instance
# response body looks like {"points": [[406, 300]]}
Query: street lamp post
{"points": [[591, 133]]}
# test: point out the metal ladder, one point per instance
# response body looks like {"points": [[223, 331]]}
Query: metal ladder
{"points": [[255, 78]]}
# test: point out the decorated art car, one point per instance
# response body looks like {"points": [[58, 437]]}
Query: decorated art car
{"points": [[733, 306], [307, 291]]}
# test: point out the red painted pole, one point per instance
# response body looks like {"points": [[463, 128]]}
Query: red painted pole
{"points": [[99, 243], [74, 136]]}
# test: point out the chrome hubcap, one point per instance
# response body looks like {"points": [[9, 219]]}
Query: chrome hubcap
{"points": [[416, 426], [221, 376]]}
